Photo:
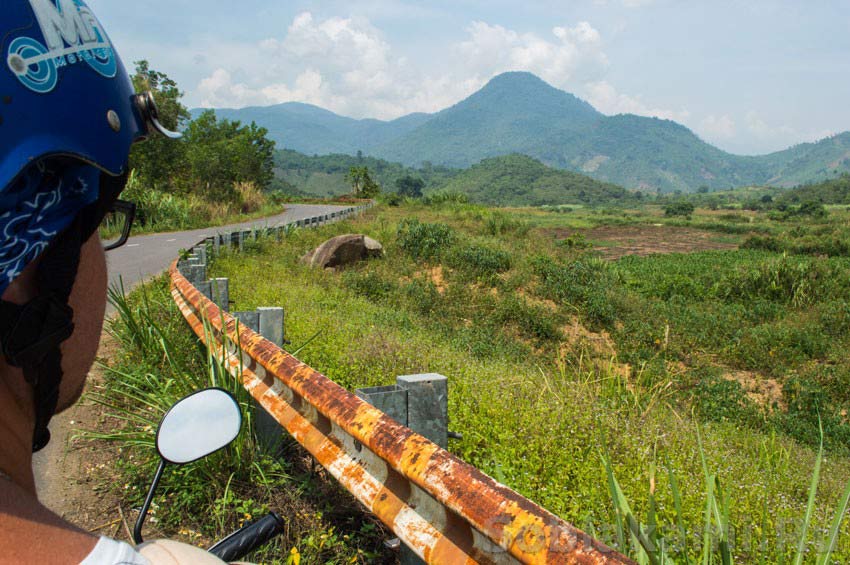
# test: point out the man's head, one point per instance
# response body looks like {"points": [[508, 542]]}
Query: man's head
{"points": [[68, 116]]}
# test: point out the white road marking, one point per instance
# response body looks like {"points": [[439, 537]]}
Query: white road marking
{"points": [[133, 244], [170, 240]]}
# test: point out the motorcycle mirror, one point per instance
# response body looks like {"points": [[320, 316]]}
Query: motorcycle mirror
{"points": [[200, 424], [196, 426]]}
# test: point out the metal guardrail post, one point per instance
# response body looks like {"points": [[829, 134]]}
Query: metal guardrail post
{"points": [[205, 288], [268, 322], [427, 405], [221, 293], [269, 432]]}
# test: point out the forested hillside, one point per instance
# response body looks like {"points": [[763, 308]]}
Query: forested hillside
{"points": [[517, 180], [323, 176], [519, 113], [833, 191]]}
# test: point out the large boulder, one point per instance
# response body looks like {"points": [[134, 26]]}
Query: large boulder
{"points": [[343, 250]]}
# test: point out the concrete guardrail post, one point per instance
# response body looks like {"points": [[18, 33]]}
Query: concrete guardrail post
{"points": [[419, 402]]}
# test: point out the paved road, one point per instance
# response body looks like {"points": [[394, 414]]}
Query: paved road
{"points": [[148, 255], [142, 257]]}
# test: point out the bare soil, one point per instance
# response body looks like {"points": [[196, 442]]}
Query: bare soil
{"points": [[614, 242]]}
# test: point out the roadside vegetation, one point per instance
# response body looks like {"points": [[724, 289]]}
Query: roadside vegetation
{"points": [[159, 362], [219, 172], [656, 379]]}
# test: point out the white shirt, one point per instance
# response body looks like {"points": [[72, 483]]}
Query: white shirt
{"points": [[111, 552]]}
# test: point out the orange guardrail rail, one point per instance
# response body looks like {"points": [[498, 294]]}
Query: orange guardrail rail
{"points": [[444, 509]]}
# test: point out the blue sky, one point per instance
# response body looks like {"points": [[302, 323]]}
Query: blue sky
{"points": [[750, 76]]}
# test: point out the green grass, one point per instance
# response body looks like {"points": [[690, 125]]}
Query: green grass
{"points": [[161, 360], [537, 406]]}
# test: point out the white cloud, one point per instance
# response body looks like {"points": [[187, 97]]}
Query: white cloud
{"points": [[759, 128], [345, 65], [605, 98], [714, 127], [575, 54]]}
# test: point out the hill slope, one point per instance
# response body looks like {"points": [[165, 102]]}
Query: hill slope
{"points": [[312, 130], [519, 113], [514, 113], [517, 180]]}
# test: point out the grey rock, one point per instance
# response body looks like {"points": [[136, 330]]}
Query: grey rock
{"points": [[343, 250]]}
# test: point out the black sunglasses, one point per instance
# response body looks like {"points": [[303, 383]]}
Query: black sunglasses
{"points": [[115, 226]]}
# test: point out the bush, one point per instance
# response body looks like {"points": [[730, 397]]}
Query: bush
{"points": [[369, 285], [498, 223], [424, 241], [479, 262], [251, 198], [813, 209], [768, 243], [446, 197], [795, 281], [679, 209], [584, 283]]}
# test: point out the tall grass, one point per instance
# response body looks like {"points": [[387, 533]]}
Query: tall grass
{"points": [[169, 366]]}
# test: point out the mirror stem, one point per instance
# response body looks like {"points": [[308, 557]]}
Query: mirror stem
{"points": [[137, 531]]}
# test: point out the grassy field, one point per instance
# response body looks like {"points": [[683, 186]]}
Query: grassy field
{"points": [[598, 360], [559, 358]]}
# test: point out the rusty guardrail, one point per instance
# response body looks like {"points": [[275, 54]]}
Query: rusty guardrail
{"points": [[444, 509]]}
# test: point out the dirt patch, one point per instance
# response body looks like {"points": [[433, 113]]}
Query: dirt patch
{"points": [[614, 242], [435, 275], [598, 348], [763, 391]]}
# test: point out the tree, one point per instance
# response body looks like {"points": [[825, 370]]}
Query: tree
{"points": [[362, 185], [221, 153], [409, 186], [679, 209], [158, 158]]}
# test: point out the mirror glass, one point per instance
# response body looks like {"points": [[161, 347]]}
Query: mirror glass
{"points": [[198, 425], [111, 228]]}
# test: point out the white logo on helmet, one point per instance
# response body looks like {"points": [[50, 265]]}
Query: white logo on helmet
{"points": [[72, 34]]}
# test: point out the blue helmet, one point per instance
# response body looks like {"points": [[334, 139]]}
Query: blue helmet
{"points": [[63, 89], [68, 116]]}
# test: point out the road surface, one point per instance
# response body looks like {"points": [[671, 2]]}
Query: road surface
{"points": [[141, 258]]}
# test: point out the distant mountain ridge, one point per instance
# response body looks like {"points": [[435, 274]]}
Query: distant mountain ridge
{"points": [[517, 112]]}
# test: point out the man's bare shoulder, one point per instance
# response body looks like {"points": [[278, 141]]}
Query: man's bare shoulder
{"points": [[30, 533]]}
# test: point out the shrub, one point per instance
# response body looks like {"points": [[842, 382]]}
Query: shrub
{"points": [[679, 209], [813, 209], [368, 284], [424, 241], [768, 243], [795, 281], [584, 283], [479, 262], [498, 223], [251, 198], [446, 197]]}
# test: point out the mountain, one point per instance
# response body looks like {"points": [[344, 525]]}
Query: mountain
{"points": [[518, 180], [519, 113], [514, 113], [313, 130]]}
